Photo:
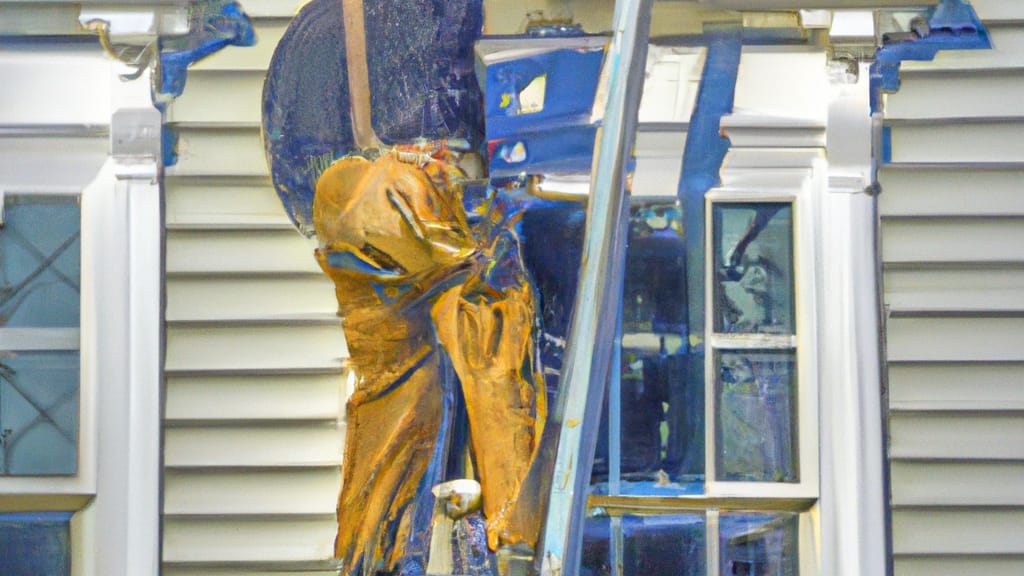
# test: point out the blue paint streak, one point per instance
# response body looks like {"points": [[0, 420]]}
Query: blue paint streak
{"points": [[37, 517], [953, 26], [218, 27], [704, 152], [404, 376], [214, 24], [168, 145], [349, 261]]}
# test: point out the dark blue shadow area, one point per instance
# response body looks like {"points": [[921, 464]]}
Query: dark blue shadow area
{"points": [[754, 543], [651, 546], [36, 544], [662, 408]]}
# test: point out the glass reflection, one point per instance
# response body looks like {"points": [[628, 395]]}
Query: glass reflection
{"points": [[662, 401], [756, 430], [756, 544], [40, 262], [671, 545], [753, 259], [39, 413]]}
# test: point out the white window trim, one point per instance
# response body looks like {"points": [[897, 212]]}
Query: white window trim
{"points": [[64, 492], [798, 192], [115, 493]]}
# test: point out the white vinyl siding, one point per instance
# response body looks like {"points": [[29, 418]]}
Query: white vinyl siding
{"points": [[952, 215], [253, 429]]}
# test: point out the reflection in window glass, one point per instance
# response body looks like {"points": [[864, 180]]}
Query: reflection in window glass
{"points": [[662, 403], [753, 260], [755, 544], [597, 547], [40, 262], [37, 544], [755, 436], [39, 413], [671, 545], [664, 545]]}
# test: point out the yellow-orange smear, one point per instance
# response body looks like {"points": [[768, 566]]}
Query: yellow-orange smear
{"points": [[410, 278]]}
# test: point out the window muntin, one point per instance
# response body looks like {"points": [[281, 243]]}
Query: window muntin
{"points": [[40, 312]]}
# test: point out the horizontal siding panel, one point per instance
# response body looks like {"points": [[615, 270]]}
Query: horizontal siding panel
{"points": [[272, 8], [225, 151], [955, 339], [263, 397], [967, 95], [953, 240], [958, 532], [225, 202], [962, 302], [994, 484], [313, 491], [959, 566], [230, 540], [272, 347], [240, 251], [951, 436], [255, 57], [253, 446], [995, 11], [221, 195], [958, 142], [219, 97], [1007, 52], [232, 297], [941, 191], [953, 386], [966, 278]]}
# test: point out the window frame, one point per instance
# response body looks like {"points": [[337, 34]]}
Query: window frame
{"points": [[796, 190], [70, 491], [800, 187]]}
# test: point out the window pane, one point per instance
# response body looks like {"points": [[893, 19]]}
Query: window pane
{"points": [[35, 544], [597, 547], [753, 259], [40, 261], [755, 543], [39, 413], [662, 406], [662, 402], [664, 545], [756, 432], [671, 545]]}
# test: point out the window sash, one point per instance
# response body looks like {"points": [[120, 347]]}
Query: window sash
{"points": [[794, 188], [63, 491]]}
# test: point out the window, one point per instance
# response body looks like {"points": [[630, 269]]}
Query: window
{"points": [[710, 468], [39, 335]]}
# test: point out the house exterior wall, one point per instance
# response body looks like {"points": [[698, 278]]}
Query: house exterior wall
{"points": [[254, 369], [952, 216]]}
